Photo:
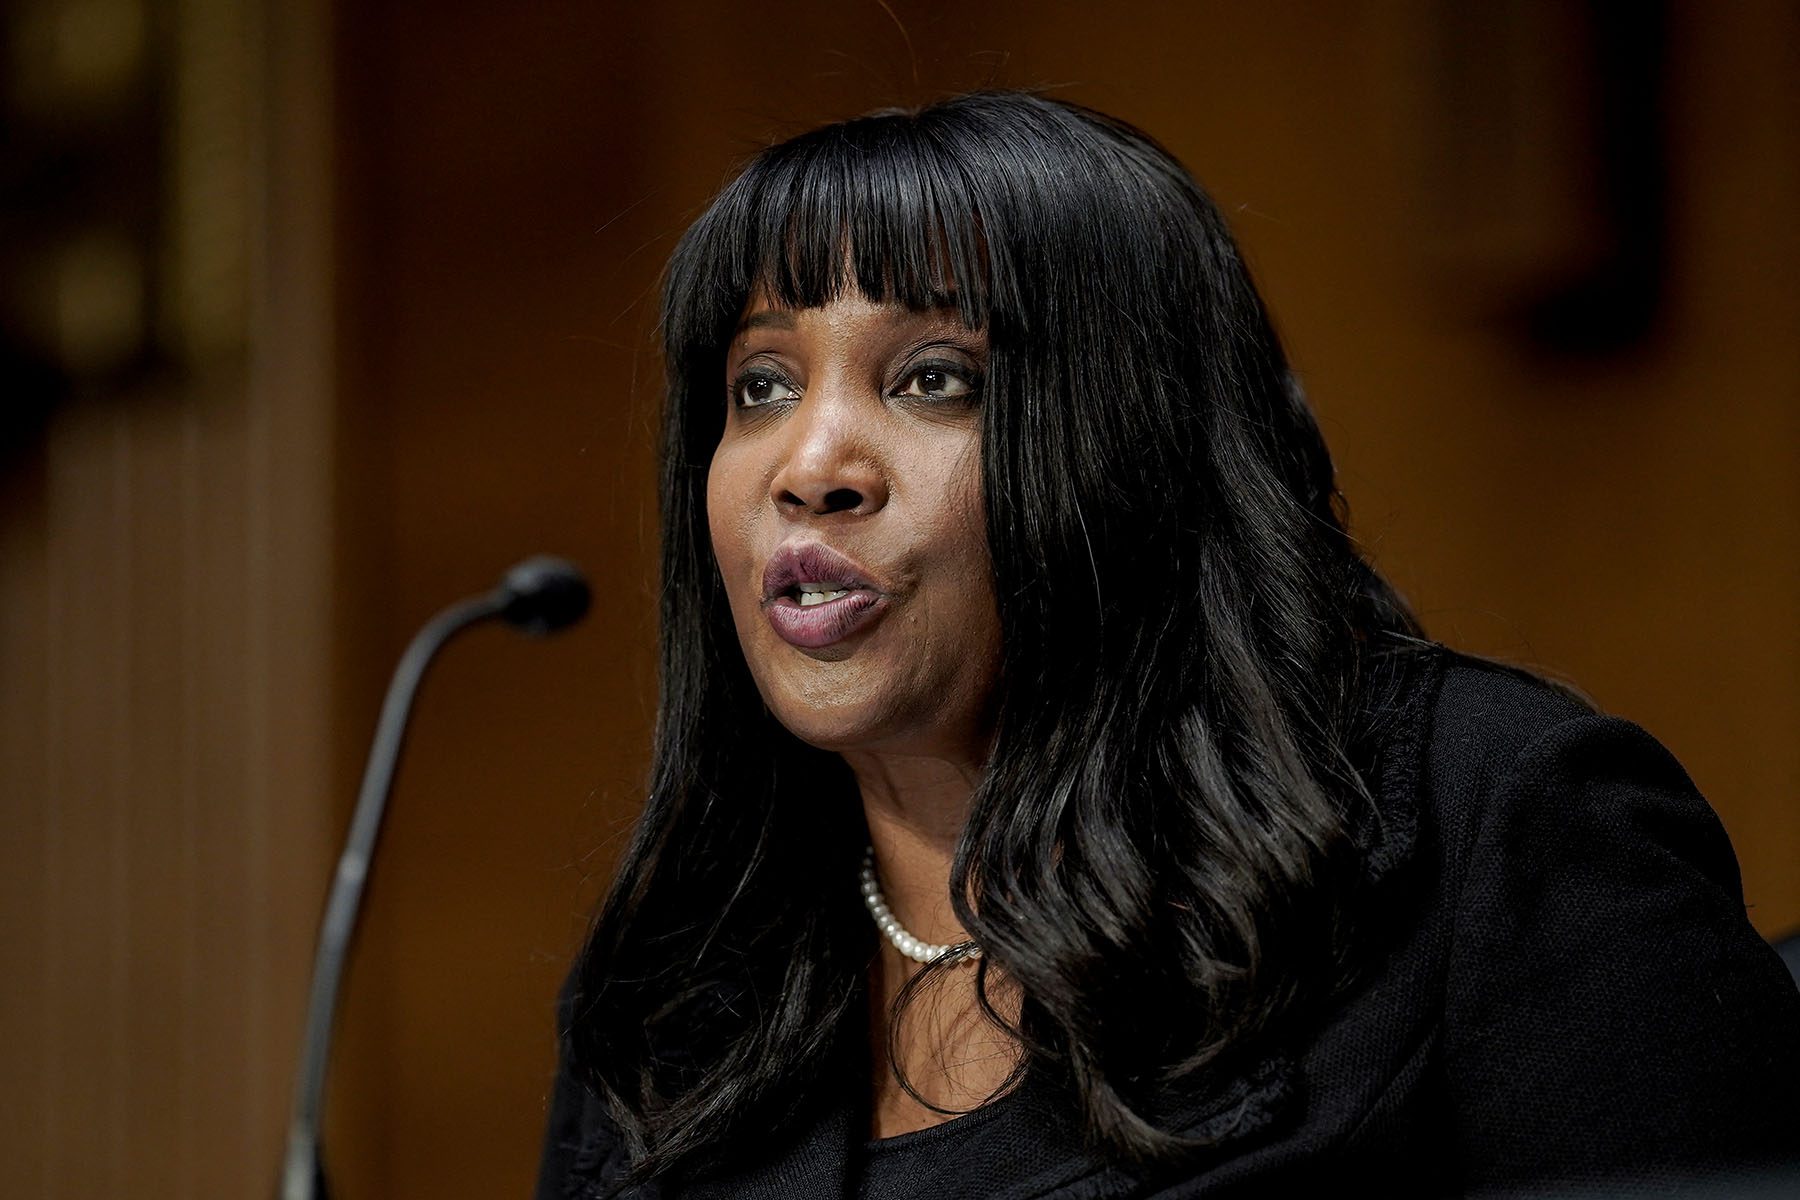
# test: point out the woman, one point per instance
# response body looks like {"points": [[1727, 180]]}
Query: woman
{"points": [[1048, 800]]}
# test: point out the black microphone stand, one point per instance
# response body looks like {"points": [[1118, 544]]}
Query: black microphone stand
{"points": [[540, 595]]}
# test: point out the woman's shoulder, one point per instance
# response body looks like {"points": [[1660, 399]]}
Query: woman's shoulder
{"points": [[1504, 780], [1602, 999], [580, 1143], [1480, 687], [1482, 712], [1477, 730], [1446, 728], [1487, 710], [1506, 756]]}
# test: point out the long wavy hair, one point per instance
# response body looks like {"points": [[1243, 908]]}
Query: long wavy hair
{"points": [[1163, 852]]}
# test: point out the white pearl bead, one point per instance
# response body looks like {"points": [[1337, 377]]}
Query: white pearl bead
{"points": [[891, 928]]}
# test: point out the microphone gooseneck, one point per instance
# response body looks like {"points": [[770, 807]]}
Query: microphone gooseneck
{"points": [[541, 595]]}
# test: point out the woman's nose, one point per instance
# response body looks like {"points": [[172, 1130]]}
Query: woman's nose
{"points": [[830, 464]]}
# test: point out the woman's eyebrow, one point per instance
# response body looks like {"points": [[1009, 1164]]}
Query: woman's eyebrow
{"points": [[768, 317]]}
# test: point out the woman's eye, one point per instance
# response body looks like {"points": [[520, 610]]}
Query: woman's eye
{"points": [[938, 383], [754, 389]]}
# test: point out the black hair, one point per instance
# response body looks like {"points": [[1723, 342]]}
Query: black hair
{"points": [[1169, 822]]}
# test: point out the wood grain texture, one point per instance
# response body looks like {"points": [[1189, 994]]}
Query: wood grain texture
{"points": [[165, 576]]}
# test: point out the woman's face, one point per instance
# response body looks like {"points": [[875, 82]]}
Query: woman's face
{"points": [[844, 501]]}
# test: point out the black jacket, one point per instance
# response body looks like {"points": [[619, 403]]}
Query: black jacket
{"points": [[1569, 991]]}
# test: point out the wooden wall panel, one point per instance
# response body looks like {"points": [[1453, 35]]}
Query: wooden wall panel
{"points": [[166, 665]]}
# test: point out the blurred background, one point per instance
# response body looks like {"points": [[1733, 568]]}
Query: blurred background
{"points": [[314, 316]]}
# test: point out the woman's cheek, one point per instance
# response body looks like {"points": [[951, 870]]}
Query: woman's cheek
{"points": [[730, 523]]}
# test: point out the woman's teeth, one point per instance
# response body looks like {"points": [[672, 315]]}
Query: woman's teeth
{"points": [[811, 595]]}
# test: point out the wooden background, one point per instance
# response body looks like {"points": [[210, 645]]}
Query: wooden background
{"points": [[451, 220]]}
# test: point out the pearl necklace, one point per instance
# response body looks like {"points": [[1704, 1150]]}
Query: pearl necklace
{"points": [[896, 933]]}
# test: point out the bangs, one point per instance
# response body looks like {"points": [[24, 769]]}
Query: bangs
{"points": [[875, 204]]}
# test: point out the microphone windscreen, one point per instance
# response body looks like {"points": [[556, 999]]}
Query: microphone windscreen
{"points": [[544, 594]]}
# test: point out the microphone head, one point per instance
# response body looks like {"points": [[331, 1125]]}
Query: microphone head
{"points": [[544, 595]]}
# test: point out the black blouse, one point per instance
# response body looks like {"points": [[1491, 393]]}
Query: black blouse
{"points": [[1569, 990]]}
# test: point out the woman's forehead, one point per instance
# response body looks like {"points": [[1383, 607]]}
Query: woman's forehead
{"points": [[763, 310]]}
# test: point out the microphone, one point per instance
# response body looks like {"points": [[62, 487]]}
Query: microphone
{"points": [[544, 595], [541, 595]]}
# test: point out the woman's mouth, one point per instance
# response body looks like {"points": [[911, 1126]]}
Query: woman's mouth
{"points": [[814, 596], [811, 618], [811, 594]]}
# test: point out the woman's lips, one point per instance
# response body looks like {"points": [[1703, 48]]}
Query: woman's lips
{"points": [[816, 625], [816, 567]]}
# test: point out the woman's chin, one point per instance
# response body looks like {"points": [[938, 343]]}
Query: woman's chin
{"points": [[880, 727], [846, 725], [876, 700]]}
